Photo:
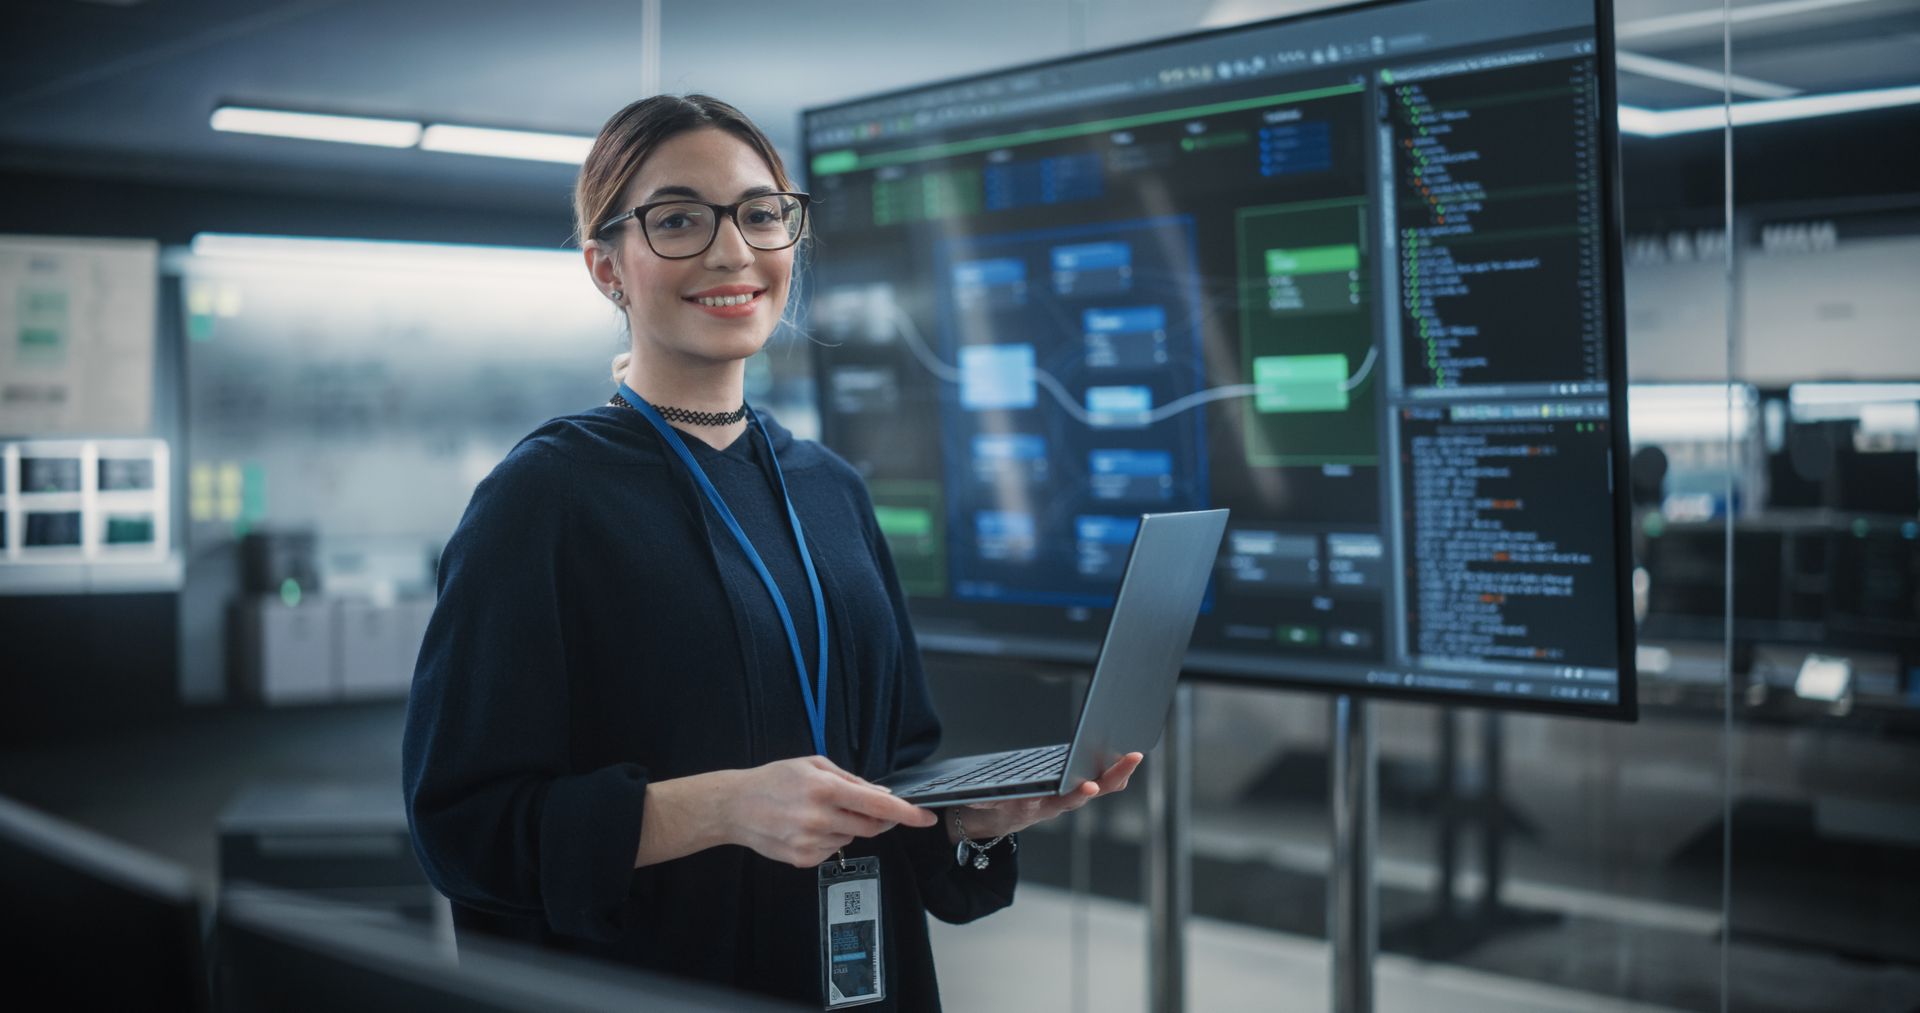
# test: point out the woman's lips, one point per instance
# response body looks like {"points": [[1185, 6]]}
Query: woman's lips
{"points": [[745, 309]]}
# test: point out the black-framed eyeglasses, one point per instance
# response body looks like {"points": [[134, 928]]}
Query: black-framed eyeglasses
{"points": [[678, 229]]}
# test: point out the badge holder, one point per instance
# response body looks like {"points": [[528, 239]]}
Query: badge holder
{"points": [[851, 971]]}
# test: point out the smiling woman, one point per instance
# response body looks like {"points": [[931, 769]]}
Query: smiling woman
{"points": [[663, 672], [699, 296], [648, 154]]}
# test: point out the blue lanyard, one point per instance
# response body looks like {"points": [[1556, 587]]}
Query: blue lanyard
{"points": [[816, 700]]}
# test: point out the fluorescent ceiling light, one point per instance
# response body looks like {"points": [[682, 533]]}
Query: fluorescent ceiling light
{"points": [[528, 144], [1806, 394], [1889, 407], [532, 145], [1694, 412], [1642, 122], [1700, 77], [1667, 122], [1718, 18], [317, 127], [1223, 13], [520, 261]]}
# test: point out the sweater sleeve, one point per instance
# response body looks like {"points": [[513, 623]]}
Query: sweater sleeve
{"points": [[500, 820], [952, 892]]}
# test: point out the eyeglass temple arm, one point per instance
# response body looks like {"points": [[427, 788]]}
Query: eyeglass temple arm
{"points": [[615, 220]]}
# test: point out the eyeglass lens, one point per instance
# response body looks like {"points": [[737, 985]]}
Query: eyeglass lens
{"points": [[682, 230]]}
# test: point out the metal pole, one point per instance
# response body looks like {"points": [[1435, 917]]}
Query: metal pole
{"points": [[1493, 817], [1169, 872], [1448, 794], [1351, 906], [1080, 882], [650, 47]]}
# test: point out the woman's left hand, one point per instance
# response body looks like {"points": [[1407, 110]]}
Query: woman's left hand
{"points": [[987, 820]]}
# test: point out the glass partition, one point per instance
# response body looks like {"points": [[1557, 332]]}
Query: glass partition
{"points": [[1523, 862], [1826, 550]]}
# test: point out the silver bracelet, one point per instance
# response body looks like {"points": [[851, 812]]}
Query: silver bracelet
{"points": [[979, 859]]}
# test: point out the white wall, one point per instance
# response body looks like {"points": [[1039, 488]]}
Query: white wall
{"points": [[1845, 313]]}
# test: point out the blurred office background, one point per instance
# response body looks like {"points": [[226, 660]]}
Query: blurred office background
{"points": [[255, 380]]}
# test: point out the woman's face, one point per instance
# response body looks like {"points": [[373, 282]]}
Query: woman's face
{"points": [[671, 301]]}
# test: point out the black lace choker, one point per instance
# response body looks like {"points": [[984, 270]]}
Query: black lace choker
{"points": [[688, 416]]}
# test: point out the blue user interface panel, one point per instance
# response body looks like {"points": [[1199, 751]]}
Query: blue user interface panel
{"points": [[1058, 431], [1353, 275]]}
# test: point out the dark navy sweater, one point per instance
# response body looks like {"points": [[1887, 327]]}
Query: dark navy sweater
{"points": [[599, 628]]}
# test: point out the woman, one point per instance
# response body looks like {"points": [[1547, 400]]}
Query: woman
{"points": [[645, 712]]}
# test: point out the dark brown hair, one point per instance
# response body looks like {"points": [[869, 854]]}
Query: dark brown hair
{"points": [[632, 135]]}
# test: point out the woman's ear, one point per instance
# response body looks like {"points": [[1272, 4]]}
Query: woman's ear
{"points": [[602, 266]]}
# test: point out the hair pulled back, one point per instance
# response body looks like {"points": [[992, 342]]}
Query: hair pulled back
{"points": [[632, 135]]}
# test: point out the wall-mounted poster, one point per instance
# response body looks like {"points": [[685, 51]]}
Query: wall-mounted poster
{"points": [[77, 335]]}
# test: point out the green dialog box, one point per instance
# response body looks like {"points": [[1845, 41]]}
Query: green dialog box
{"points": [[1314, 260], [1300, 383], [903, 522]]}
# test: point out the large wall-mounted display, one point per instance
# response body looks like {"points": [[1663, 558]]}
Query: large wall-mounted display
{"points": [[353, 393], [1353, 275], [362, 389]]}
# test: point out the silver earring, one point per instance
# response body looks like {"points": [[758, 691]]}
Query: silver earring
{"points": [[616, 295]]}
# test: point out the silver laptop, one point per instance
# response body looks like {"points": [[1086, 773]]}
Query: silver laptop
{"points": [[1133, 680]]}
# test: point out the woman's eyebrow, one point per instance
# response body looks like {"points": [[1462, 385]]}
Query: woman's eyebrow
{"points": [[675, 190]]}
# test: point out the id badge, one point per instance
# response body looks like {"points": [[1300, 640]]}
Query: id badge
{"points": [[851, 970]]}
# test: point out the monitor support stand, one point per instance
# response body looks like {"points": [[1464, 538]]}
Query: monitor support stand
{"points": [[1352, 900], [1352, 910], [1449, 929], [1169, 866]]}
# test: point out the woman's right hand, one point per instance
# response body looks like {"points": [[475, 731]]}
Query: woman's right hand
{"points": [[801, 811]]}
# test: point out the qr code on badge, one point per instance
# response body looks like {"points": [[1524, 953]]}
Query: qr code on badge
{"points": [[850, 904]]}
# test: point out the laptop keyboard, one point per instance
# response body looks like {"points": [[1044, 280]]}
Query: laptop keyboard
{"points": [[1038, 764]]}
